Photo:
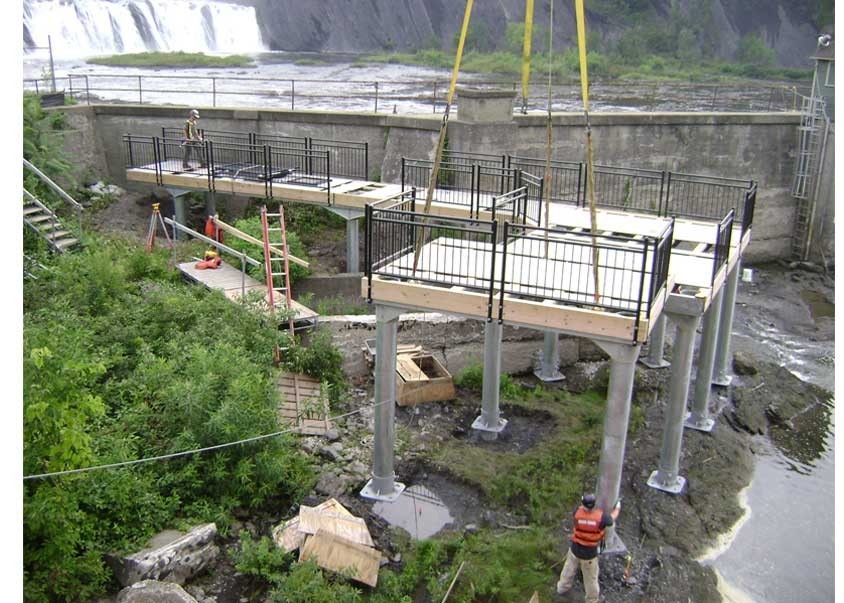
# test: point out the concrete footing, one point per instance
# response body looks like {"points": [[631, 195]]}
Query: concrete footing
{"points": [[383, 486]]}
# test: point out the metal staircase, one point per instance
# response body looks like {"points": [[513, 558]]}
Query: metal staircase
{"points": [[46, 224], [277, 269], [812, 132]]}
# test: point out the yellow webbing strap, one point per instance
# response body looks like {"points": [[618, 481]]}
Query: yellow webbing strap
{"points": [[526, 53], [435, 169], [590, 180]]}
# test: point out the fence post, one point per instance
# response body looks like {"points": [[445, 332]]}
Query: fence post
{"points": [[714, 96], [214, 92], [292, 95], [87, 90], [140, 92], [376, 97], [436, 84]]}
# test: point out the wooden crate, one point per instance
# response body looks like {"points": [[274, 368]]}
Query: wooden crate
{"points": [[421, 378], [303, 404]]}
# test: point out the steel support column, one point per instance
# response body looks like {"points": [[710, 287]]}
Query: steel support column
{"points": [[723, 353], [549, 367], [699, 418], [180, 213], [352, 245], [383, 486], [623, 358], [666, 477], [656, 345], [210, 203], [490, 423]]}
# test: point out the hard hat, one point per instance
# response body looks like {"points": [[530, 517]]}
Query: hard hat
{"points": [[588, 501], [194, 113]]}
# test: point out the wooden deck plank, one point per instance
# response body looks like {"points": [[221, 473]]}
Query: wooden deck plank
{"points": [[351, 528], [340, 555]]}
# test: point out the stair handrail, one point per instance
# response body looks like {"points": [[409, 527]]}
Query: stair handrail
{"points": [[57, 189], [53, 218]]}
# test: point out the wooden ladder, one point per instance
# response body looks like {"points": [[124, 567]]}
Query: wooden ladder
{"points": [[277, 269]]}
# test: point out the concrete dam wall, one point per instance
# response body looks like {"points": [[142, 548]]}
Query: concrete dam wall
{"points": [[750, 146]]}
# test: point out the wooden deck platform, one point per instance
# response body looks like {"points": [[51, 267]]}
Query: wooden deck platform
{"points": [[234, 283]]}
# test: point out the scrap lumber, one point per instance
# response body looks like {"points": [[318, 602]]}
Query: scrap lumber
{"points": [[303, 404], [353, 529], [288, 535], [335, 553]]}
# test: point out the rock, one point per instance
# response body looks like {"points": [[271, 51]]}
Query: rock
{"points": [[332, 435], [333, 452], [100, 189], [357, 468], [153, 591], [175, 561], [331, 484], [744, 364]]}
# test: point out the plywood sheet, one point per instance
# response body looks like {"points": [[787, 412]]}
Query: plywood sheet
{"points": [[335, 553], [351, 528], [288, 535]]}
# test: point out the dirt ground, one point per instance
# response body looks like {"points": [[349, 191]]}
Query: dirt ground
{"points": [[785, 305]]}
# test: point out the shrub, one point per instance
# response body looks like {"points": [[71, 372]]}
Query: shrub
{"points": [[753, 51], [306, 584], [262, 559]]}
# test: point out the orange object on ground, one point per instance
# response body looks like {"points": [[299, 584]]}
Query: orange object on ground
{"points": [[212, 231], [209, 264]]}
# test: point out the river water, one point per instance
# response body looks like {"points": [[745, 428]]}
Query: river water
{"points": [[783, 550], [344, 82]]}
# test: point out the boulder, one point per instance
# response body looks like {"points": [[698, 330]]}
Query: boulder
{"points": [[181, 558], [153, 591]]}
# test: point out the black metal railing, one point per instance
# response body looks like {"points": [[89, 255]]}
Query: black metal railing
{"points": [[708, 197], [507, 259], [564, 181], [456, 183], [631, 189], [450, 252], [722, 243], [541, 264], [469, 158], [348, 159], [534, 190], [256, 163], [511, 206]]}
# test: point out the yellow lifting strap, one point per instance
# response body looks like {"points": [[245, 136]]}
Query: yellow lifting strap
{"points": [[526, 53], [435, 169], [590, 180]]}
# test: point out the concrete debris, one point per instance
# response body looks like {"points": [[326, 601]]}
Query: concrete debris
{"points": [[152, 591], [334, 538]]}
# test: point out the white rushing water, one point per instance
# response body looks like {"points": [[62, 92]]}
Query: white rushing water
{"points": [[80, 28]]}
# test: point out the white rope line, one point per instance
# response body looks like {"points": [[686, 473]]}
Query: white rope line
{"points": [[195, 451]]}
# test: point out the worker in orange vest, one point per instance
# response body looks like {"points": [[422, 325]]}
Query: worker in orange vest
{"points": [[589, 526]]}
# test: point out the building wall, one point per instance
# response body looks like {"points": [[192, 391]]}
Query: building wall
{"points": [[757, 146]]}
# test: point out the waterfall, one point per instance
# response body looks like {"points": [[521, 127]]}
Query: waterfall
{"points": [[82, 28]]}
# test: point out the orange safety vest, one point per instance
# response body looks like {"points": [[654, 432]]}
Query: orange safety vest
{"points": [[587, 527]]}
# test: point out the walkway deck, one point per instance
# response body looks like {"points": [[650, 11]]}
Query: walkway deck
{"points": [[234, 283]]}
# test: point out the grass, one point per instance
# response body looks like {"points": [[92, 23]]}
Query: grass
{"points": [[172, 59]]}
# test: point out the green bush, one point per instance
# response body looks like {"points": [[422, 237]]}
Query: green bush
{"points": [[306, 584], [252, 226], [262, 559], [123, 363], [321, 360], [753, 51], [472, 378]]}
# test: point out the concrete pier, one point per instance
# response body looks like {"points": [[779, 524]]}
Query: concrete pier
{"points": [[656, 345], [699, 418]]}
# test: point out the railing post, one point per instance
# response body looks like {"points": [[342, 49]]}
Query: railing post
{"points": [[140, 92], [292, 95], [492, 266], [661, 191], [667, 195], [87, 90], [367, 250], [366, 161], [376, 97], [214, 92], [436, 84], [714, 96], [501, 288]]}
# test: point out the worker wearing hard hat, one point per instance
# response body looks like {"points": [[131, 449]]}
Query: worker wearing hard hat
{"points": [[589, 526], [191, 140]]}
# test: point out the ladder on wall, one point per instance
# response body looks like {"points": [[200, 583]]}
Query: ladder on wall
{"points": [[46, 224], [812, 132], [277, 269]]}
